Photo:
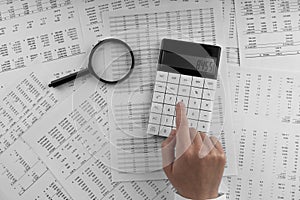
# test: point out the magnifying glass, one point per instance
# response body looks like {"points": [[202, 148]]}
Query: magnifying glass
{"points": [[110, 61]]}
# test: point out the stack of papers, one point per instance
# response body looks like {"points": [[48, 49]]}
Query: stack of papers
{"points": [[70, 143]]}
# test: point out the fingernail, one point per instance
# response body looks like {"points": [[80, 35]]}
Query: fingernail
{"points": [[180, 104]]}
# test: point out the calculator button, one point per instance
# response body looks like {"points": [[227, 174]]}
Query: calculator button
{"points": [[173, 78], [161, 76], [193, 123], [197, 82], [196, 92], [205, 116], [208, 94], [194, 103], [206, 105], [160, 87], [185, 80], [193, 114], [183, 99], [158, 97], [203, 126], [184, 90], [168, 109], [210, 84], [170, 99], [164, 131], [172, 89], [153, 129], [166, 120], [156, 108], [154, 118]]}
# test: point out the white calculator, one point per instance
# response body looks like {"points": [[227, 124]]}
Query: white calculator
{"points": [[186, 72]]}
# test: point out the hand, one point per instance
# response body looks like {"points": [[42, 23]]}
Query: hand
{"points": [[197, 168]]}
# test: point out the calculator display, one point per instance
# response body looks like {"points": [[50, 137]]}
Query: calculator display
{"points": [[202, 64], [189, 58]]}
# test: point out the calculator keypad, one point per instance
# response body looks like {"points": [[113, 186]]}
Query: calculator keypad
{"points": [[196, 93]]}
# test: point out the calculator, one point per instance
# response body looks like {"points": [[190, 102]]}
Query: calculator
{"points": [[186, 72]]}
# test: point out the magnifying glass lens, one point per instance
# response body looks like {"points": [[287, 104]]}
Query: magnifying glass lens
{"points": [[111, 61]]}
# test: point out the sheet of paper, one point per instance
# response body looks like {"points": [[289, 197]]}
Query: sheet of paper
{"points": [[266, 93], [18, 8], [144, 29], [196, 1], [269, 33], [45, 31], [231, 40], [91, 15], [75, 147], [22, 106], [267, 131], [268, 160], [221, 126], [232, 50]]}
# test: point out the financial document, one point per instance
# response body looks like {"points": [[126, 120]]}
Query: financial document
{"points": [[46, 32], [229, 25], [18, 8], [24, 104], [267, 132], [91, 15], [266, 94], [232, 49], [269, 33], [129, 108], [268, 160], [183, 2]]}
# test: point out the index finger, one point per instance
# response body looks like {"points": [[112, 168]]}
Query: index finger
{"points": [[182, 128]]}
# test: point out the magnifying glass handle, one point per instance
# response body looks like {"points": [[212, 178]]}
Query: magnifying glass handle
{"points": [[68, 78]]}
